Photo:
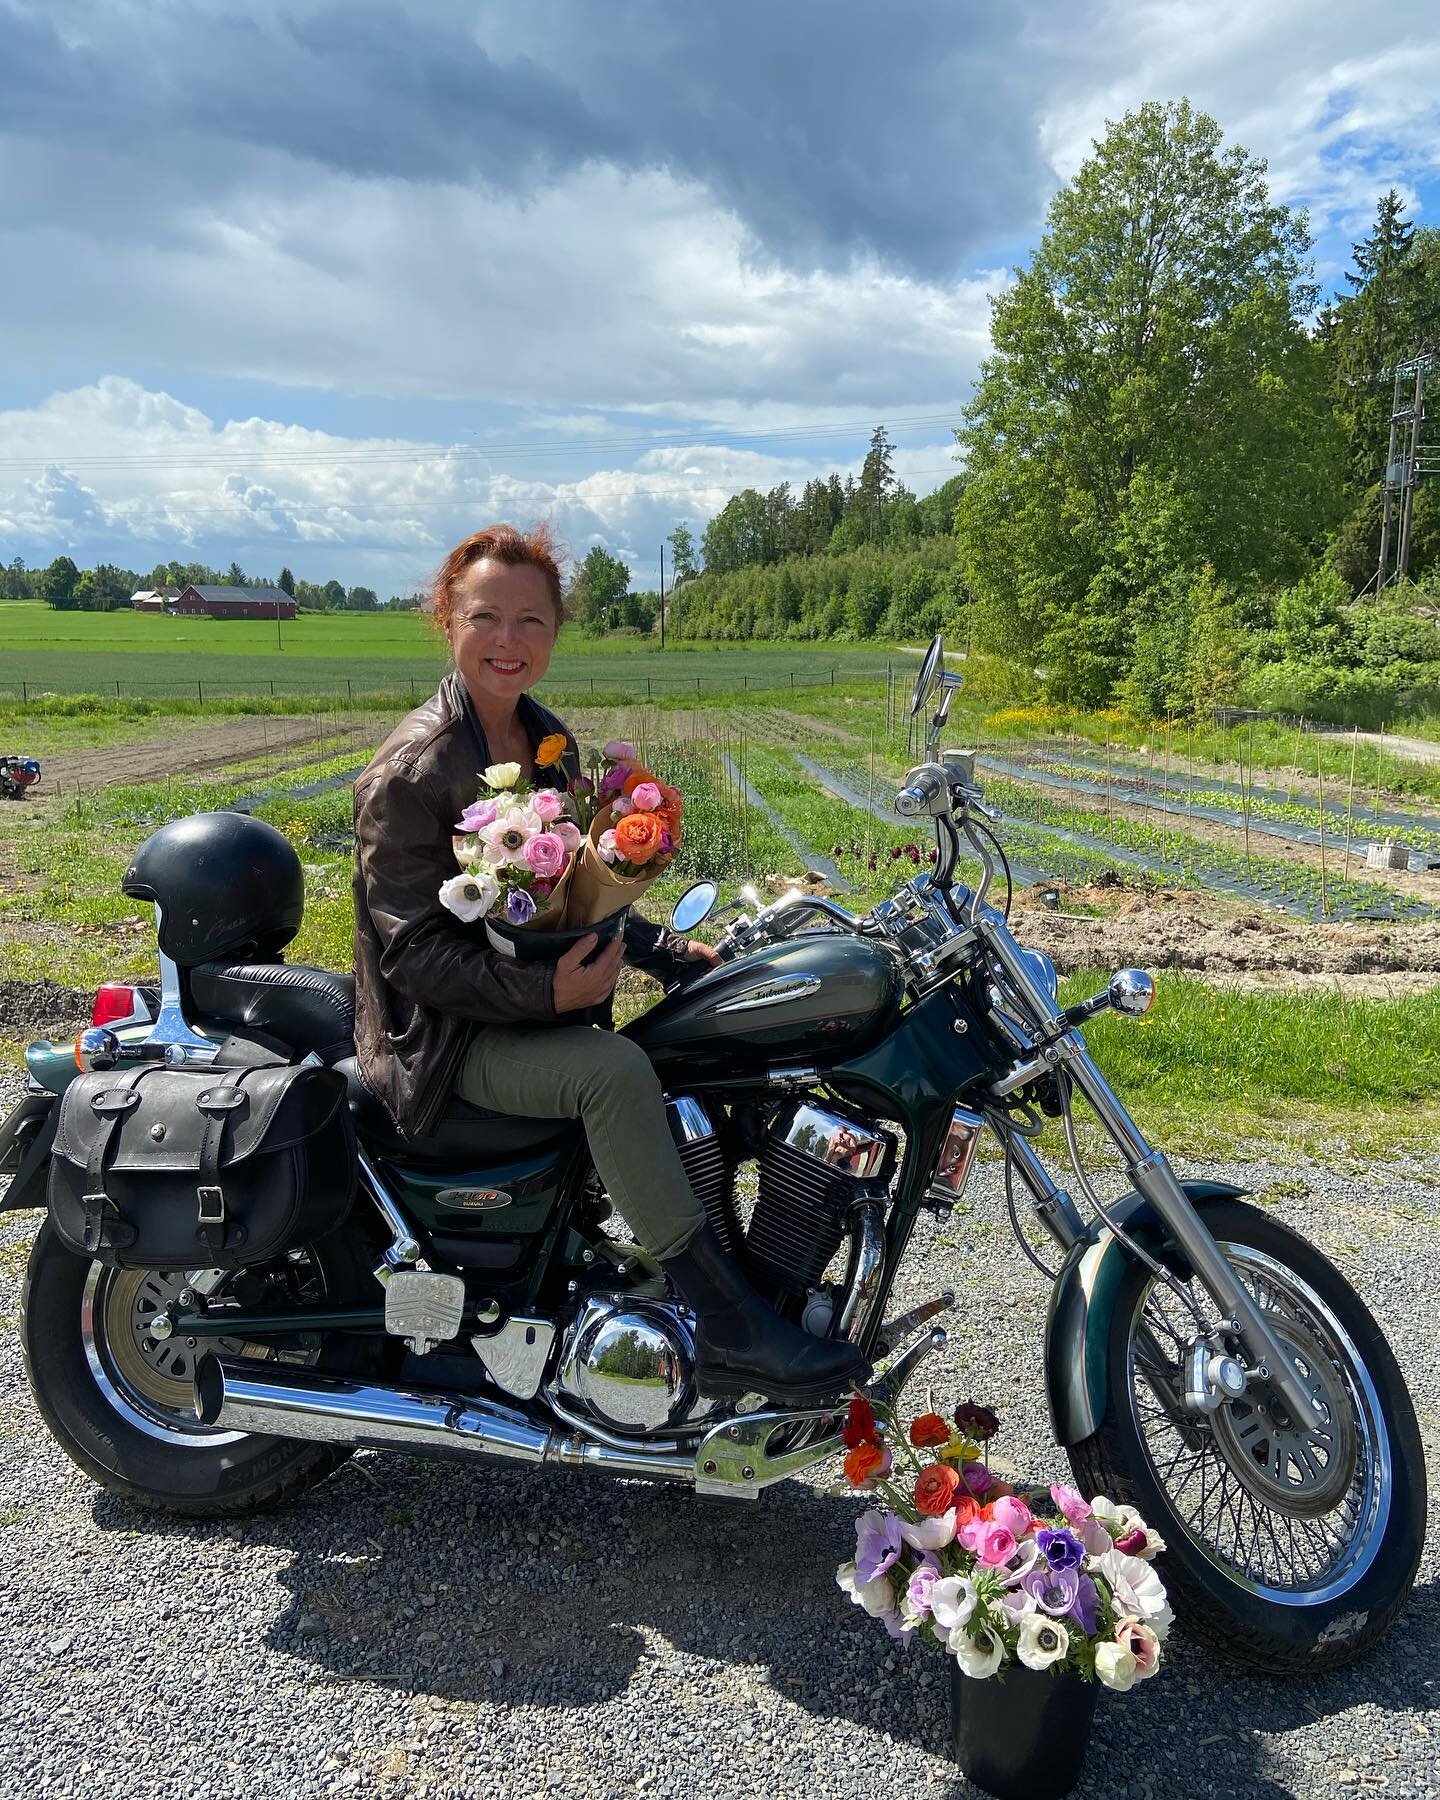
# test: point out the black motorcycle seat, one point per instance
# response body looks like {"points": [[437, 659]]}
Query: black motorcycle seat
{"points": [[309, 1009], [466, 1136]]}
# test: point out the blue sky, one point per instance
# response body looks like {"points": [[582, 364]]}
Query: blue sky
{"points": [[329, 285]]}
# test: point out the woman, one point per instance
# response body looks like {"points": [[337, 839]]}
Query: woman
{"points": [[437, 1013]]}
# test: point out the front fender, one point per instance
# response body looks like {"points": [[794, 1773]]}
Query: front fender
{"points": [[1077, 1329]]}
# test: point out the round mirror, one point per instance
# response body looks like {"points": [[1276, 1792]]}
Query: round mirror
{"points": [[694, 906], [931, 669]]}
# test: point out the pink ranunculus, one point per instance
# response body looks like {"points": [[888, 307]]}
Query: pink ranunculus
{"points": [[1013, 1513], [569, 834], [1072, 1504], [968, 1534], [620, 750], [477, 816], [995, 1544], [605, 844], [620, 806], [546, 855], [647, 797], [547, 805]]}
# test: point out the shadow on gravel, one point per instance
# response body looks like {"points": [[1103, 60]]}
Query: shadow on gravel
{"points": [[513, 1591]]}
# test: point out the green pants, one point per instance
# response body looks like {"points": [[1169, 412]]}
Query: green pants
{"points": [[577, 1072]]}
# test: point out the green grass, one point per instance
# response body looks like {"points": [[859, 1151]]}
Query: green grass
{"points": [[1211, 1070], [137, 654]]}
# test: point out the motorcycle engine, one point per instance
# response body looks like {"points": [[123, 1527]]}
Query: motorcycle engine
{"points": [[629, 1364], [813, 1165]]}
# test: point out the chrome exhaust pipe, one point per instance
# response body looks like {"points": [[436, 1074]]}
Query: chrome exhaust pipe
{"points": [[336, 1409]]}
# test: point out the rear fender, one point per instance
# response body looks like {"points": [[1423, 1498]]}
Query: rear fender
{"points": [[1082, 1303], [25, 1140]]}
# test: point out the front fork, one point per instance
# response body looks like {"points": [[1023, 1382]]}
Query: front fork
{"points": [[1154, 1179]]}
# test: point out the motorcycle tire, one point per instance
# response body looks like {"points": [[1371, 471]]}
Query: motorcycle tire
{"points": [[1246, 1581], [120, 1404]]}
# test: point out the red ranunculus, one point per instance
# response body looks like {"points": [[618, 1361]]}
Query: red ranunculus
{"points": [[966, 1512], [859, 1427], [936, 1489]]}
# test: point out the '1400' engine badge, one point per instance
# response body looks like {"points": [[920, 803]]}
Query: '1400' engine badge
{"points": [[474, 1199]]}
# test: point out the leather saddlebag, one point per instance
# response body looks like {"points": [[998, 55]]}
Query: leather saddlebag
{"points": [[160, 1168]]}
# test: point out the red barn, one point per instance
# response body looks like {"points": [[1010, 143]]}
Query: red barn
{"points": [[234, 603]]}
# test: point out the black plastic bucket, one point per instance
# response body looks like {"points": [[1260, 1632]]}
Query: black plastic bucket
{"points": [[1023, 1737]]}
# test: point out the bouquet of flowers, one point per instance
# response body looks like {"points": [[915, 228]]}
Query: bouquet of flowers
{"points": [[517, 849], [991, 1575], [633, 833]]}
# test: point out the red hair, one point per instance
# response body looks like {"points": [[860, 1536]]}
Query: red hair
{"points": [[502, 544]]}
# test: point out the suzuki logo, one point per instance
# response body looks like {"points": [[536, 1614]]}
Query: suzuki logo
{"points": [[474, 1199]]}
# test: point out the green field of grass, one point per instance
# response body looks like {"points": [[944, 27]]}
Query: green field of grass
{"points": [[150, 655]]}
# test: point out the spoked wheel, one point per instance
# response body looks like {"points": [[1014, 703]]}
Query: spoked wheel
{"points": [[118, 1395], [1291, 1544]]}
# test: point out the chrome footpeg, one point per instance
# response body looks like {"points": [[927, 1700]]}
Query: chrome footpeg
{"points": [[424, 1308]]}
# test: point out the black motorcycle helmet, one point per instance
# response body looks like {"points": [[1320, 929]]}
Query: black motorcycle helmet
{"points": [[228, 887]]}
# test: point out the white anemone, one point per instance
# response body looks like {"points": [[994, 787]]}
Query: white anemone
{"points": [[1043, 1640]]}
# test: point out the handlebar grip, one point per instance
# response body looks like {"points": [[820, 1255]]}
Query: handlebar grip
{"points": [[915, 797]]}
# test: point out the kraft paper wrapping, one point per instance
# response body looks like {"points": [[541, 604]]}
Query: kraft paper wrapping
{"points": [[596, 889]]}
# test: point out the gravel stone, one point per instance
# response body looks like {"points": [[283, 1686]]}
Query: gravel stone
{"points": [[676, 1645]]}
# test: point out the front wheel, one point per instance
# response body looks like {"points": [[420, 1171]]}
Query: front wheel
{"points": [[119, 1400], [1287, 1547]]}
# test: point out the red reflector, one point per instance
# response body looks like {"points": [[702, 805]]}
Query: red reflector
{"points": [[116, 1004]]}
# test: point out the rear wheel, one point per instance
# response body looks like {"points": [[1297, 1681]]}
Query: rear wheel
{"points": [[1289, 1545], [119, 1399]]}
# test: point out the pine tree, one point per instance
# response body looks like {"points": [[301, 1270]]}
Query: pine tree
{"points": [[287, 582]]}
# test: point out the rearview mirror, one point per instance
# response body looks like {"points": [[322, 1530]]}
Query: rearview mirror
{"points": [[931, 669], [694, 906]]}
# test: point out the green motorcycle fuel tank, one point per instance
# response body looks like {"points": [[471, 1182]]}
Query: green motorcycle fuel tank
{"points": [[821, 998]]}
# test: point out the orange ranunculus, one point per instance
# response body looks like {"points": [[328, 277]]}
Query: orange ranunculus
{"points": [[865, 1461], [637, 836], [936, 1489], [967, 1511], [929, 1430], [551, 750], [633, 780]]}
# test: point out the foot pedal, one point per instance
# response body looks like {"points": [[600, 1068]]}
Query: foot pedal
{"points": [[424, 1308]]}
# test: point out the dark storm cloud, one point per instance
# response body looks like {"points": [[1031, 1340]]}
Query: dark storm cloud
{"points": [[903, 130]]}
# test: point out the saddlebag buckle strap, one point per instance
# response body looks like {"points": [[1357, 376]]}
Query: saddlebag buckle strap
{"points": [[103, 1227], [216, 1104], [114, 1103]]}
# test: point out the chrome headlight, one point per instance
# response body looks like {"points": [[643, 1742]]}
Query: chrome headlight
{"points": [[1043, 971]]}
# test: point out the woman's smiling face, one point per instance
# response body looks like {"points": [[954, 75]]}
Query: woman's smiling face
{"points": [[502, 630]]}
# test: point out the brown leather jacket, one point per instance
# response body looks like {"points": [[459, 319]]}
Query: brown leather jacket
{"points": [[424, 980]]}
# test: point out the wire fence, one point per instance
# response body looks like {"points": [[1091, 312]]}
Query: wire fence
{"points": [[352, 688]]}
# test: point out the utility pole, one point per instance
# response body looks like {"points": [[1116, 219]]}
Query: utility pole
{"points": [[662, 595], [1404, 465]]}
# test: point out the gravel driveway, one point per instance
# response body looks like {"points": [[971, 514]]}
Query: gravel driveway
{"points": [[418, 1628]]}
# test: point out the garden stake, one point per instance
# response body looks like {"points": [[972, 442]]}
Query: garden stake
{"points": [[1320, 775], [1350, 797]]}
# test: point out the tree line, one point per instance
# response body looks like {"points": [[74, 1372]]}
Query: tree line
{"points": [[63, 585], [1173, 458]]}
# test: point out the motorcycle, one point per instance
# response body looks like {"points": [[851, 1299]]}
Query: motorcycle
{"points": [[18, 774], [1203, 1361]]}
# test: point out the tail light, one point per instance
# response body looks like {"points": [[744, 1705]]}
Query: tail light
{"points": [[117, 1004]]}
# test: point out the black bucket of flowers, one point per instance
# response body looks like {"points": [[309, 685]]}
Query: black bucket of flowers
{"points": [[1037, 1597]]}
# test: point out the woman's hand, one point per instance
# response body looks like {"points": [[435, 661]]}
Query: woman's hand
{"points": [[695, 951], [576, 987]]}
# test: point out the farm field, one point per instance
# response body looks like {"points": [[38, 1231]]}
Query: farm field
{"points": [[1274, 1023], [145, 655]]}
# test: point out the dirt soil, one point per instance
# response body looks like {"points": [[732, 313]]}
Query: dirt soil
{"points": [[195, 752], [1252, 949]]}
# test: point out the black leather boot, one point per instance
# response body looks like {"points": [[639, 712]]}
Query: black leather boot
{"points": [[743, 1346]]}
